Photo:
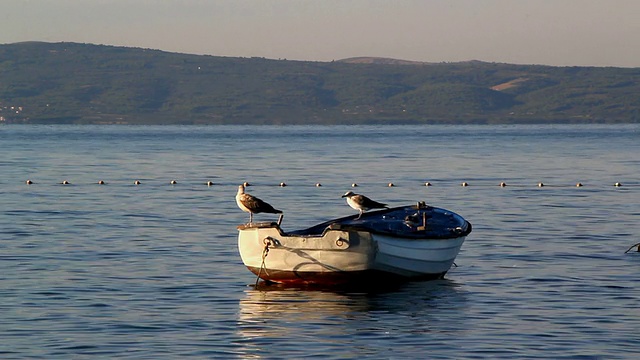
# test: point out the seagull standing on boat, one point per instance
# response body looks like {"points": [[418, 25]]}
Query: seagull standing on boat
{"points": [[362, 203], [253, 205]]}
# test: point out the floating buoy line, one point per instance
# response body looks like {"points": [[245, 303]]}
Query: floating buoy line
{"points": [[464, 184]]}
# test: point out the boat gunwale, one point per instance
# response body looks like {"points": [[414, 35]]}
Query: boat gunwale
{"points": [[337, 225]]}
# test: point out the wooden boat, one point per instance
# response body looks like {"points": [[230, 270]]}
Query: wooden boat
{"points": [[409, 242]]}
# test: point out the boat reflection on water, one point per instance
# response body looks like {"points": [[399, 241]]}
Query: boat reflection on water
{"points": [[302, 318]]}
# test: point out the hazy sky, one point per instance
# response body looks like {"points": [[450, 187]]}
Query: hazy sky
{"points": [[553, 32]]}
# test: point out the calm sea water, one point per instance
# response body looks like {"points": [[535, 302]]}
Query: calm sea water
{"points": [[152, 271]]}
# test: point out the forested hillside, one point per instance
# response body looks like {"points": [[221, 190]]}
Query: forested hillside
{"points": [[83, 83]]}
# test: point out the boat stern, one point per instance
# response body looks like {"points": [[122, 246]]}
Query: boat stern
{"points": [[333, 257]]}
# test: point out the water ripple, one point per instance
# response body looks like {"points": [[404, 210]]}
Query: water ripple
{"points": [[153, 271]]}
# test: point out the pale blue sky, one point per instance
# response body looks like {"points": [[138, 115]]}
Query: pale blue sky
{"points": [[552, 32]]}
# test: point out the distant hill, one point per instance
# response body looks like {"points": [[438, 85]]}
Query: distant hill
{"points": [[83, 83], [382, 61]]}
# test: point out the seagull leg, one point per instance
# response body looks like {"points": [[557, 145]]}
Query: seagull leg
{"points": [[250, 218], [359, 215]]}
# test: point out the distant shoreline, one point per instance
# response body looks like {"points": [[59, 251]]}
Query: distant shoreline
{"points": [[71, 83]]}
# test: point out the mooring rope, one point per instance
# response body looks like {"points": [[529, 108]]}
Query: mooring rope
{"points": [[265, 252], [632, 246]]}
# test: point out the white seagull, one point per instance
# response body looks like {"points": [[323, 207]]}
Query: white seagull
{"points": [[253, 205], [362, 203]]}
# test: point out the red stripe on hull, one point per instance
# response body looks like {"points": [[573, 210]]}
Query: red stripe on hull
{"points": [[367, 277]]}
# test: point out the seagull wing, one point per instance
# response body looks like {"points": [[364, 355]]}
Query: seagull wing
{"points": [[256, 205], [367, 203]]}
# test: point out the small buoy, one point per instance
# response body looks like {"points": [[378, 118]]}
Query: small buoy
{"points": [[354, 185], [503, 184], [540, 184], [282, 184], [318, 184], [173, 182], [137, 182], [65, 182], [101, 182], [617, 184], [465, 184], [29, 182], [209, 183], [427, 184], [390, 185], [579, 185], [245, 184]]}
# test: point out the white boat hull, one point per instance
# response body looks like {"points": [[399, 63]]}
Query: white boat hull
{"points": [[336, 257], [416, 258], [346, 252]]}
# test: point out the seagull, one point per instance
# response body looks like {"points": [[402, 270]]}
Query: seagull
{"points": [[253, 205], [362, 203]]}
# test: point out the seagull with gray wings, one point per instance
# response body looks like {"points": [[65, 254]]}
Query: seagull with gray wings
{"points": [[362, 203], [253, 205]]}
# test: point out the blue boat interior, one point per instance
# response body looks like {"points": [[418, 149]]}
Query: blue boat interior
{"points": [[416, 221]]}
